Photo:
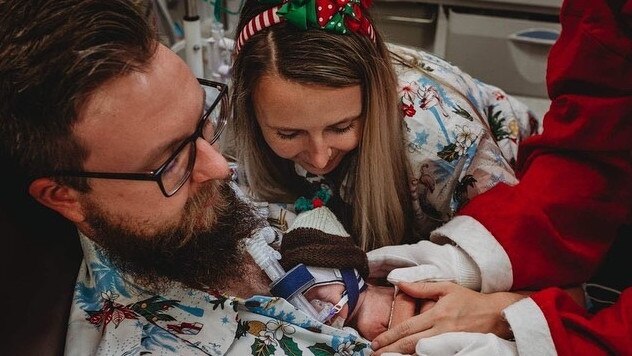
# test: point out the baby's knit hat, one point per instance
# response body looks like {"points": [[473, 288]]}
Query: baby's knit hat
{"points": [[316, 238]]}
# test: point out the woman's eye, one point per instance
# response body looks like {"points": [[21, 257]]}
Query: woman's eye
{"points": [[286, 135], [341, 130]]}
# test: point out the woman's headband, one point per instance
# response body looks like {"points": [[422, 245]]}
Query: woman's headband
{"points": [[339, 16]]}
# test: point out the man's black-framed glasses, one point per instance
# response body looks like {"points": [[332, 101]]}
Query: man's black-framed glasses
{"points": [[177, 169]]}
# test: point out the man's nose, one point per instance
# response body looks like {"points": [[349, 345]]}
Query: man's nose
{"points": [[209, 163]]}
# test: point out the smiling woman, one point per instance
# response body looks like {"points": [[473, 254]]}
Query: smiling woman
{"points": [[315, 138], [402, 138]]}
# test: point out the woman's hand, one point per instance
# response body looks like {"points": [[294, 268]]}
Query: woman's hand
{"points": [[456, 309]]}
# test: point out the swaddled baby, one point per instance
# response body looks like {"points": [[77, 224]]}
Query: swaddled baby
{"points": [[318, 240]]}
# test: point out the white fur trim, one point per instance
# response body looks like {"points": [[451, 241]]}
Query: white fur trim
{"points": [[321, 219], [530, 329], [491, 259]]}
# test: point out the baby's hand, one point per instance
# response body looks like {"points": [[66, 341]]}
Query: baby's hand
{"points": [[373, 311]]}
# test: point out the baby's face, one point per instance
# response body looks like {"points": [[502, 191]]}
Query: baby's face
{"points": [[331, 293], [372, 312]]}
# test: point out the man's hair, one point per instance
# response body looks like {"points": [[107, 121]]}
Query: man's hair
{"points": [[378, 186], [53, 55]]}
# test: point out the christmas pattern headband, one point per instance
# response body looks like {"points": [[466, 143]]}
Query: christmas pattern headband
{"points": [[339, 16]]}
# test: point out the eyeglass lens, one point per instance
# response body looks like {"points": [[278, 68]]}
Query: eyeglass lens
{"points": [[179, 169], [212, 124]]}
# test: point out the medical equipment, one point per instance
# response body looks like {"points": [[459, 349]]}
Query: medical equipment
{"points": [[288, 285], [193, 38], [201, 40]]}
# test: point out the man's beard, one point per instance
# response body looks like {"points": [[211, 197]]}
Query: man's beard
{"points": [[202, 251]]}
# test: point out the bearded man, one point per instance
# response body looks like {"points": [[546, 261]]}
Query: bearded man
{"points": [[110, 129]]}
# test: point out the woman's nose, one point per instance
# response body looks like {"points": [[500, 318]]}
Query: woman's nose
{"points": [[209, 163], [319, 154]]}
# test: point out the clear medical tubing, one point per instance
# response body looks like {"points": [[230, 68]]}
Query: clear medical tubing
{"points": [[267, 259]]}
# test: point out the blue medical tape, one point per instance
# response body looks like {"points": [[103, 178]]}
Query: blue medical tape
{"points": [[351, 284], [294, 281]]}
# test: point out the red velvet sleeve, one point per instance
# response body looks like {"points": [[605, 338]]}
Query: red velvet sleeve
{"points": [[575, 187], [575, 332]]}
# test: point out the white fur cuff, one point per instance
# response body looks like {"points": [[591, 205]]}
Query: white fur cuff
{"points": [[530, 329]]}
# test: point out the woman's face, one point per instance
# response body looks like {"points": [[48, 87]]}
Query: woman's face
{"points": [[314, 126]]}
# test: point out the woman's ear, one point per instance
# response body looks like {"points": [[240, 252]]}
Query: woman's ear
{"points": [[60, 198]]}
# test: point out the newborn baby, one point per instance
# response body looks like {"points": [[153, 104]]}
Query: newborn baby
{"points": [[318, 240]]}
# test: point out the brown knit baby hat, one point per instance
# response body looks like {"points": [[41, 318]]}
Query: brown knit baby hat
{"points": [[316, 238]]}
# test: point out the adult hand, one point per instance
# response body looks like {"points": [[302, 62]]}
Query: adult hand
{"points": [[425, 261], [462, 343], [457, 309]]}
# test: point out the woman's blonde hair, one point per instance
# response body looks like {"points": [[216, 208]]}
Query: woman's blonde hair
{"points": [[378, 178]]}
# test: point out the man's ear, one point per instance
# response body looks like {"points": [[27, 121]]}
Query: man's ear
{"points": [[60, 198]]}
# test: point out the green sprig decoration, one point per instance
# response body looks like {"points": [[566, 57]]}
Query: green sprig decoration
{"points": [[320, 198]]}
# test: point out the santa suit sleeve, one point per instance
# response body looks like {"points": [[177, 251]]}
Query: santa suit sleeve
{"points": [[574, 193], [549, 322]]}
